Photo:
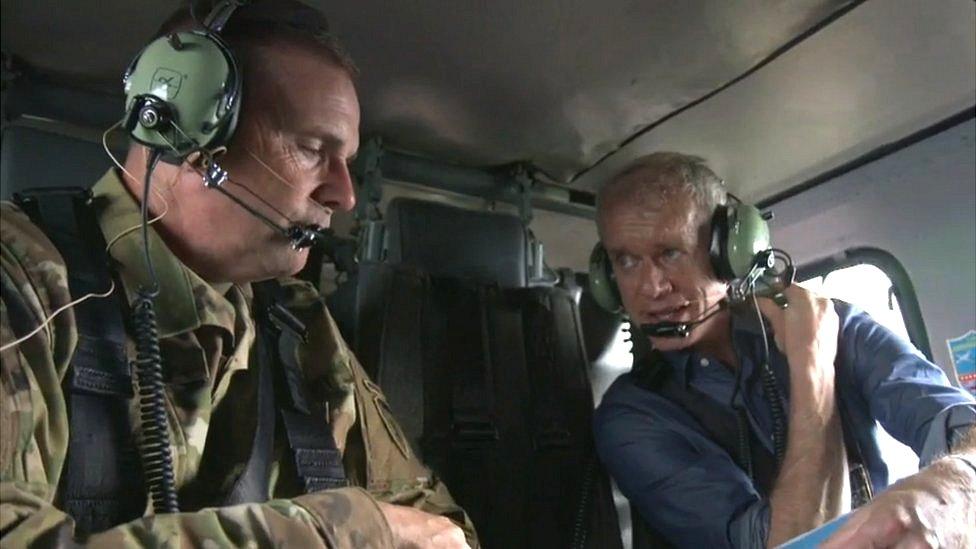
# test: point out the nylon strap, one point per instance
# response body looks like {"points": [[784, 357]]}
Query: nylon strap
{"points": [[318, 461], [101, 484]]}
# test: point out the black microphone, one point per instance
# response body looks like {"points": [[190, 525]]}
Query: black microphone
{"points": [[666, 329], [301, 236], [679, 329]]}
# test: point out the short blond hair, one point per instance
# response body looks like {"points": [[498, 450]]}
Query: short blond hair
{"points": [[654, 176]]}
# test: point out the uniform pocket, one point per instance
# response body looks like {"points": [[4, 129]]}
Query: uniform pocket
{"points": [[393, 430]]}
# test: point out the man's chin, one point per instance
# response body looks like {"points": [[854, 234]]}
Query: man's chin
{"points": [[280, 262], [671, 343]]}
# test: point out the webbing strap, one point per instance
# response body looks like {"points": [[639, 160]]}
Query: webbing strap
{"points": [[724, 427], [551, 430], [472, 392], [101, 484], [862, 491], [318, 461]]}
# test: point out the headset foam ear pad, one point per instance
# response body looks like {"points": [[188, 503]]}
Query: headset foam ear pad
{"points": [[602, 285], [718, 249]]}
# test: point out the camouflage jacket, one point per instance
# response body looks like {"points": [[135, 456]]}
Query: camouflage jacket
{"points": [[206, 334]]}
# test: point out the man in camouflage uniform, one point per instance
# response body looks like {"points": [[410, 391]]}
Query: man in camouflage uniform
{"points": [[298, 129]]}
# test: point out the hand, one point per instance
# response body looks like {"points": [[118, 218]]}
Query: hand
{"points": [[934, 508], [415, 529], [805, 331]]}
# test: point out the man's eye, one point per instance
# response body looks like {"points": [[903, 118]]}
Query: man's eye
{"points": [[670, 254], [626, 262], [308, 151], [311, 155]]}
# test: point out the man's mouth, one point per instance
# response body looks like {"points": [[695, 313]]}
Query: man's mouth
{"points": [[672, 313]]}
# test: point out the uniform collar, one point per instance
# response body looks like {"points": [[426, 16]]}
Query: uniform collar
{"points": [[185, 300]]}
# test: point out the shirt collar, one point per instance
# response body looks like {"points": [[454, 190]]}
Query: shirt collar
{"points": [[185, 300]]}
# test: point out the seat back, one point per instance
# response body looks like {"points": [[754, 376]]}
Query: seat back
{"points": [[487, 377], [33, 157], [443, 240]]}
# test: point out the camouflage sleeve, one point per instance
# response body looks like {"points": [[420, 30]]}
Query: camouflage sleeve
{"points": [[345, 518], [34, 436]]}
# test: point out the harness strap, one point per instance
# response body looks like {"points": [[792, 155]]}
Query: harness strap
{"points": [[318, 461], [472, 393], [729, 429], [102, 483]]}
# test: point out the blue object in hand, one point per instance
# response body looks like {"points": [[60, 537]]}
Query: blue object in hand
{"points": [[815, 537]]}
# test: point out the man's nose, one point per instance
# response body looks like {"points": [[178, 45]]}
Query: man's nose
{"points": [[653, 282], [336, 191]]}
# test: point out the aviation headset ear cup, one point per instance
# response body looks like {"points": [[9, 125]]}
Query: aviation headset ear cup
{"points": [[602, 285], [196, 75], [719, 245], [739, 232]]}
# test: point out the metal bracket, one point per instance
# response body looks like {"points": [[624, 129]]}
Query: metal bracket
{"points": [[369, 176], [369, 192], [523, 182], [215, 176]]}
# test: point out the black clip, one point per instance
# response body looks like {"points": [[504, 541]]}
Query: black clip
{"points": [[284, 320]]}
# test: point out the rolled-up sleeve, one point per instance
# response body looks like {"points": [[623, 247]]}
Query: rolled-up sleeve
{"points": [[684, 486], [910, 396], [946, 431]]}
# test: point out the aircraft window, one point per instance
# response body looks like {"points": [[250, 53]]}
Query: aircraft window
{"points": [[869, 288]]}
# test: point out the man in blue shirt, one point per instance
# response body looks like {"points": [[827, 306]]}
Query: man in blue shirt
{"points": [[828, 361]]}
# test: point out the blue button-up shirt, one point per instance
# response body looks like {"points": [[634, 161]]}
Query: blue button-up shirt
{"points": [[691, 491]]}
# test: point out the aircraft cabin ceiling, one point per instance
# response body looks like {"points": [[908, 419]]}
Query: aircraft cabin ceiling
{"points": [[771, 92]]}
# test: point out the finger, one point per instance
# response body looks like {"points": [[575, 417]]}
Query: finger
{"points": [[776, 320], [846, 534], [914, 540], [884, 530], [769, 308], [451, 538]]}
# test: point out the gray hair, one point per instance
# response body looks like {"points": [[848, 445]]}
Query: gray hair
{"points": [[652, 178]]}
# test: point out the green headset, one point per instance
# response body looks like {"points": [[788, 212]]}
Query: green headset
{"points": [[183, 90], [739, 232]]}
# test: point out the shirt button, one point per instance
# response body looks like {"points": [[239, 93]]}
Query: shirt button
{"points": [[704, 362]]}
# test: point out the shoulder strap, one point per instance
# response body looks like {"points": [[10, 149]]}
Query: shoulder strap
{"points": [[101, 484], [862, 490], [729, 429], [318, 461]]}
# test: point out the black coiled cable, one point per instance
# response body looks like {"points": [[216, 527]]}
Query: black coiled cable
{"points": [[582, 510], [157, 462], [777, 405], [154, 447], [777, 409]]}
